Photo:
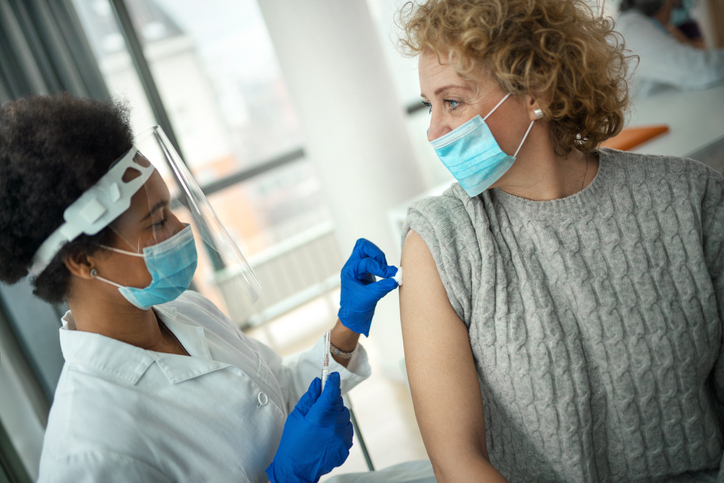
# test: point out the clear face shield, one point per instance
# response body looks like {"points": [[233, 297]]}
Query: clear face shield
{"points": [[162, 225]]}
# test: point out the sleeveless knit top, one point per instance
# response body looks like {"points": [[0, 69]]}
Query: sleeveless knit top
{"points": [[595, 320]]}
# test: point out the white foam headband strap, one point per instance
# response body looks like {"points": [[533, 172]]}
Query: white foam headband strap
{"points": [[97, 207]]}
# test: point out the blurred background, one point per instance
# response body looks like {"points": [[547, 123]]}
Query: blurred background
{"points": [[303, 125]]}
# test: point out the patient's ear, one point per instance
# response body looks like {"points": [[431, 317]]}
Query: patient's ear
{"points": [[535, 108]]}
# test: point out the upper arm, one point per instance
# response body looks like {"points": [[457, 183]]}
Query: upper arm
{"points": [[441, 369]]}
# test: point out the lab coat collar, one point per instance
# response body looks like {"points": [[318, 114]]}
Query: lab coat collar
{"points": [[125, 363], [191, 335]]}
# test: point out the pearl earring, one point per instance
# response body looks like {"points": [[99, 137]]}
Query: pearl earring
{"points": [[538, 113]]}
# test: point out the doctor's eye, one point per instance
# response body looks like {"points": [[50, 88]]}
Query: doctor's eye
{"points": [[452, 104], [160, 224], [428, 105]]}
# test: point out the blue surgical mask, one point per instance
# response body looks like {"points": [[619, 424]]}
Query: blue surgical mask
{"points": [[473, 156], [171, 263]]}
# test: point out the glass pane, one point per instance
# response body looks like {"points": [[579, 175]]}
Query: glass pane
{"points": [[220, 83], [259, 214], [216, 72], [272, 207], [114, 60]]}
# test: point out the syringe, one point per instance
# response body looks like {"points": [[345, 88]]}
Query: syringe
{"points": [[325, 367]]}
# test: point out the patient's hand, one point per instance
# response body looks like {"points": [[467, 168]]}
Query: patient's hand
{"points": [[442, 374]]}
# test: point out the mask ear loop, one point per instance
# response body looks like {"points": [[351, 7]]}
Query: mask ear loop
{"points": [[125, 252], [496, 106], [525, 136], [94, 274], [137, 253]]}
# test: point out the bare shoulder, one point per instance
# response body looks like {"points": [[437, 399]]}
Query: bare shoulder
{"points": [[423, 285], [415, 249], [428, 319]]}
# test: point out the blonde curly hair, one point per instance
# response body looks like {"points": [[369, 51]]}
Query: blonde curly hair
{"points": [[557, 51]]}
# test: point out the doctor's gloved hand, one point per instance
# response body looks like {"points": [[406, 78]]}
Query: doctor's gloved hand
{"points": [[317, 435], [360, 292]]}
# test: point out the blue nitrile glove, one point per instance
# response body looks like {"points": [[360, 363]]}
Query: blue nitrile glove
{"points": [[360, 292], [316, 438]]}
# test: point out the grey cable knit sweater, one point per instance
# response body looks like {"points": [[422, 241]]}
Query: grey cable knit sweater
{"points": [[595, 320]]}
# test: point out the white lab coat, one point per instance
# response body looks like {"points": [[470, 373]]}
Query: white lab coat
{"points": [[125, 414], [663, 60]]}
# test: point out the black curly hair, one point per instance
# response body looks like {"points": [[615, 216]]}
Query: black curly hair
{"points": [[52, 149]]}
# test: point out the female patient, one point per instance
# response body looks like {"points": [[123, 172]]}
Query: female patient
{"points": [[562, 304]]}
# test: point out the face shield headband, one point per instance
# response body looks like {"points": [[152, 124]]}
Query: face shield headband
{"points": [[111, 196], [97, 207]]}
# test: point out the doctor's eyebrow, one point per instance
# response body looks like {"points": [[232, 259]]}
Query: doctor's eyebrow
{"points": [[156, 207]]}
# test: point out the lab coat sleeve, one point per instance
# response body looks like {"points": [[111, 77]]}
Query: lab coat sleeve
{"points": [[666, 61], [296, 372], [94, 466]]}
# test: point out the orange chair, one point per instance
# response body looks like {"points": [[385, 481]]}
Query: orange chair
{"points": [[631, 137]]}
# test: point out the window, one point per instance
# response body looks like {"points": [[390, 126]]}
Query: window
{"points": [[220, 83]]}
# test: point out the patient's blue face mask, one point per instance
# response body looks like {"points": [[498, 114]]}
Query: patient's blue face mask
{"points": [[473, 156], [171, 263]]}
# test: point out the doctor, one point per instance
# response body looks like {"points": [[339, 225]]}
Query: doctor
{"points": [[664, 59], [158, 385]]}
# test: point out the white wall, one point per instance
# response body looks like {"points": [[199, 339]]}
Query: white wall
{"points": [[355, 127]]}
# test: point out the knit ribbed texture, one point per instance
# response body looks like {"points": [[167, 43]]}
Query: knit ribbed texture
{"points": [[595, 320]]}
